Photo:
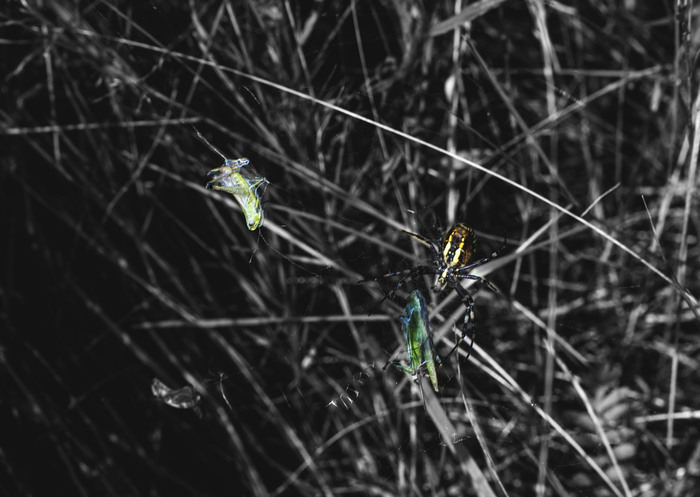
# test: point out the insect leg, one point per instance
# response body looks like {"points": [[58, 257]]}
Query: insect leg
{"points": [[402, 367]]}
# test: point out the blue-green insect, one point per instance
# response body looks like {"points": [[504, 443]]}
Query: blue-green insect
{"points": [[419, 340], [243, 185]]}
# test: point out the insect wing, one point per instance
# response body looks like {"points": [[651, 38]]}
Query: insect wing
{"points": [[229, 180], [414, 328], [431, 360], [237, 163]]}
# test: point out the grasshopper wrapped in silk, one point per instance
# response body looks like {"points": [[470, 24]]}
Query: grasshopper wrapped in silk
{"points": [[243, 184]]}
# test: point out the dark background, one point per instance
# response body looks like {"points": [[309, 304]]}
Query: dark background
{"points": [[119, 267]]}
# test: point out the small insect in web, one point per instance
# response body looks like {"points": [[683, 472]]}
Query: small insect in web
{"points": [[453, 259], [182, 398], [419, 340], [243, 184]]}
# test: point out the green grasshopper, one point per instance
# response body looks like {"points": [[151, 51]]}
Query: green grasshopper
{"points": [[243, 186], [419, 340]]}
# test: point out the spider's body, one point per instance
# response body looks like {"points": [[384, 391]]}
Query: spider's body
{"points": [[458, 249], [453, 261]]}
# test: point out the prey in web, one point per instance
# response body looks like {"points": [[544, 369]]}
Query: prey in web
{"points": [[180, 398], [454, 257], [419, 340], [242, 183]]}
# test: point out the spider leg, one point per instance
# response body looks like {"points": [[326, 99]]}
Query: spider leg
{"points": [[466, 268], [468, 318], [407, 275], [480, 279], [424, 241]]}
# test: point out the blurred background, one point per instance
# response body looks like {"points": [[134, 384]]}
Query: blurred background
{"points": [[118, 267]]}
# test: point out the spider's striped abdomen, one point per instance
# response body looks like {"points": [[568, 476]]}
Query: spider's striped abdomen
{"points": [[458, 246], [458, 249]]}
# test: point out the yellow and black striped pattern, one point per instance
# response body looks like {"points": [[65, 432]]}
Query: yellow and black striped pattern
{"points": [[458, 249]]}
